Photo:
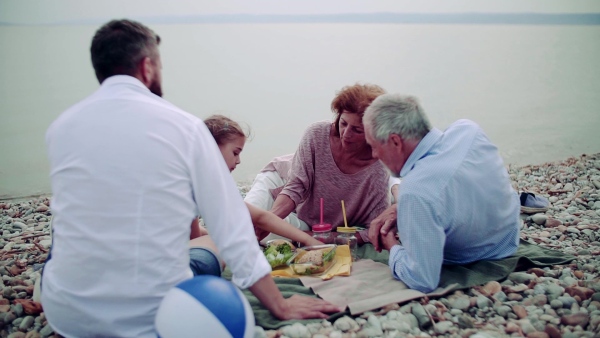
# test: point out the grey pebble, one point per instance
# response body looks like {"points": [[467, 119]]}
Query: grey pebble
{"points": [[422, 317], [26, 323], [503, 310], [521, 277], [46, 330], [461, 303], [443, 327], [483, 302]]}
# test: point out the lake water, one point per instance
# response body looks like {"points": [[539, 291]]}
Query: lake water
{"points": [[534, 89]]}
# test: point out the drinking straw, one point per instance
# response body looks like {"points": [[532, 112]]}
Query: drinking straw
{"points": [[321, 210], [344, 213]]}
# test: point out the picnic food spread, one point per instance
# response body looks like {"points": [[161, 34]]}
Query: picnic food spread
{"points": [[313, 259], [278, 252]]}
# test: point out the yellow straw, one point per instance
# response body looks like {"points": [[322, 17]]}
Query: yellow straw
{"points": [[344, 213]]}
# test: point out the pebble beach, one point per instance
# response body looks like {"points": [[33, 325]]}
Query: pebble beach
{"points": [[557, 301]]}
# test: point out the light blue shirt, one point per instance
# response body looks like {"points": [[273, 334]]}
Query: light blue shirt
{"points": [[456, 205]]}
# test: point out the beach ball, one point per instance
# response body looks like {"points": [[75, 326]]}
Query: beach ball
{"points": [[204, 306]]}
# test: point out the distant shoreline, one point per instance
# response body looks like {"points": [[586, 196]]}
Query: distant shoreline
{"points": [[366, 18]]}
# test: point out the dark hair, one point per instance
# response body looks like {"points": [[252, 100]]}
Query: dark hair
{"points": [[224, 129], [119, 46], [354, 99]]}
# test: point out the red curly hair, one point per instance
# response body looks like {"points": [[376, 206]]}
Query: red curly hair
{"points": [[354, 100]]}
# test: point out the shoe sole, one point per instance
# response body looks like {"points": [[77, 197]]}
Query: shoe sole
{"points": [[529, 210]]}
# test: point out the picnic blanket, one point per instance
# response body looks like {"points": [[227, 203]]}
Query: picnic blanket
{"points": [[453, 277]]}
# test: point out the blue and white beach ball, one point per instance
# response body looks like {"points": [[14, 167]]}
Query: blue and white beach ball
{"points": [[205, 306]]}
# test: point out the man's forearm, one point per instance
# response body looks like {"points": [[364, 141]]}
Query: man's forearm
{"points": [[269, 295]]}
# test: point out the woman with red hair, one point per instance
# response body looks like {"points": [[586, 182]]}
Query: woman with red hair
{"points": [[333, 162]]}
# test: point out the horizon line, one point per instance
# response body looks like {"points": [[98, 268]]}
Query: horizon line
{"points": [[476, 18]]}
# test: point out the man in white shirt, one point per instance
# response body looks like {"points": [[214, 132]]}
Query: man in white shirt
{"points": [[129, 173]]}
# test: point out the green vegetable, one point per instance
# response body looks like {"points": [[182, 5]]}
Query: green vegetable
{"points": [[278, 255]]}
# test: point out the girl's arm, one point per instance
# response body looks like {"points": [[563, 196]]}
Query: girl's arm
{"points": [[270, 222]]}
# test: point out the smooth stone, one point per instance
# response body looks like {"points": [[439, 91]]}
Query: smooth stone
{"points": [[554, 290], [521, 277], [396, 325], [46, 330], [296, 330], [456, 312], [556, 304], [491, 288], [259, 332], [537, 334], [36, 334], [16, 335], [422, 317], [500, 296], [41, 208], [519, 311], [46, 243], [539, 219], [527, 327], [26, 323], [580, 319], [552, 223], [466, 322], [550, 319], [461, 303], [552, 331], [483, 302], [514, 297], [503, 310], [18, 309], [19, 225], [345, 324], [443, 327]]}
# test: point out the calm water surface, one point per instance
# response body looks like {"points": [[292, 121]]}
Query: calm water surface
{"points": [[534, 89]]}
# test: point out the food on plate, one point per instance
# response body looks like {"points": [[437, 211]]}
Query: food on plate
{"points": [[281, 242], [313, 260], [278, 252], [314, 256]]}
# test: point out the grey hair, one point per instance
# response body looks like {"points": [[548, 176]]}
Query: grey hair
{"points": [[396, 114]]}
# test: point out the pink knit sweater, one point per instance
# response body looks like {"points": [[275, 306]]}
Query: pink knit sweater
{"points": [[315, 175]]}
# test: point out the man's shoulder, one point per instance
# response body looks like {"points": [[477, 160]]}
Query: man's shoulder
{"points": [[464, 124], [129, 99]]}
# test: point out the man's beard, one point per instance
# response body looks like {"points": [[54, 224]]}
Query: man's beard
{"points": [[156, 88]]}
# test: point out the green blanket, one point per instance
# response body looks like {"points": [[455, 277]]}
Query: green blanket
{"points": [[478, 273]]}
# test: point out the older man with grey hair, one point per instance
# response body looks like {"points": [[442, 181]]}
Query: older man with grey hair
{"points": [[455, 205]]}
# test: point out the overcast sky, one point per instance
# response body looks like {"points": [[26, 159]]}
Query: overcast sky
{"points": [[57, 11]]}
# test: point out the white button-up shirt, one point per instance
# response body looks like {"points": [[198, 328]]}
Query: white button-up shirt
{"points": [[129, 173]]}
